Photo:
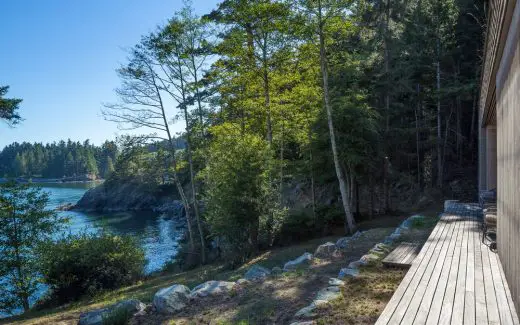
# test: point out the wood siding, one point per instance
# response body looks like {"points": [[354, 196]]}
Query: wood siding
{"points": [[496, 33], [508, 167]]}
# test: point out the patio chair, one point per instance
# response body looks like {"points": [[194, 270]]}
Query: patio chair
{"points": [[487, 201]]}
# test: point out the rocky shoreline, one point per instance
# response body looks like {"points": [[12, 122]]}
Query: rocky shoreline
{"points": [[126, 197]]}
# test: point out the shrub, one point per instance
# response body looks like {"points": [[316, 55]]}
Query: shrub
{"points": [[118, 316], [84, 264]]}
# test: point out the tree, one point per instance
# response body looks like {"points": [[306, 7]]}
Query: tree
{"points": [[237, 177], [9, 107], [143, 106], [24, 224], [320, 13]]}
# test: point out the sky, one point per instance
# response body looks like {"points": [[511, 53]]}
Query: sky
{"points": [[60, 57]]}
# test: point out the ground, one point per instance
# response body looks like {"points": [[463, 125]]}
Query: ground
{"points": [[274, 301]]}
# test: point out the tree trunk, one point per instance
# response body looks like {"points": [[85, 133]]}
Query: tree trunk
{"points": [[350, 225], [178, 183], [371, 196], [192, 173], [439, 122], [417, 137]]}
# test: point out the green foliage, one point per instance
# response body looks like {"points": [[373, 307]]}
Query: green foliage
{"points": [[24, 224], [238, 189], [117, 316], [9, 107], [84, 264], [57, 160]]}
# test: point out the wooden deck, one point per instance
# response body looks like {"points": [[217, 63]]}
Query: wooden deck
{"points": [[454, 279], [402, 256]]}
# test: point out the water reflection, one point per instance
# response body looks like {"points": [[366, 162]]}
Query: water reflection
{"points": [[158, 234]]}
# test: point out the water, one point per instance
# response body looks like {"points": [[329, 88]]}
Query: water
{"points": [[158, 234]]}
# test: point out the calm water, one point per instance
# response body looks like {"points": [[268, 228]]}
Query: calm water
{"points": [[158, 234]]}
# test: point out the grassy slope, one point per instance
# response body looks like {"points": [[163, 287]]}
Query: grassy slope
{"points": [[275, 300]]}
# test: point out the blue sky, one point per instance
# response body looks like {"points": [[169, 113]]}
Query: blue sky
{"points": [[60, 57]]}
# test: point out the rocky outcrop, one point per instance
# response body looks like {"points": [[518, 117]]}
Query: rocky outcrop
{"points": [[172, 299], [130, 196], [95, 317]]}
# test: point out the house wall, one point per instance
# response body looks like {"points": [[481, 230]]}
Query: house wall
{"points": [[508, 158]]}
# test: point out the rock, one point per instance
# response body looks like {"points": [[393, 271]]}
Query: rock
{"points": [[212, 288], [242, 282], [326, 250], [356, 235], [348, 272], [301, 261], [311, 322], [343, 242], [336, 282], [172, 299], [306, 312], [369, 258], [257, 273], [276, 270], [355, 264], [95, 317], [327, 294]]}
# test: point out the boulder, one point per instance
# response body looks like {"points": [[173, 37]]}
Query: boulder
{"points": [[257, 273], [369, 258], [356, 264], [327, 294], [306, 312], [327, 250], [212, 288], [343, 242], [242, 282], [95, 317], [172, 299], [301, 261], [336, 282], [348, 272], [356, 235]]}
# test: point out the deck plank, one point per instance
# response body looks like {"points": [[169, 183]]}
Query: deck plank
{"points": [[387, 313], [407, 297], [417, 312], [480, 293], [455, 279], [440, 291], [469, 294], [402, 255]]}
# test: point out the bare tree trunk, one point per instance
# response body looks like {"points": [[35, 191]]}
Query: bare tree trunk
{"points": [[386, 189], [313, 189], [267, 97], [350, 225], [282, 144], [417, 137], [439, 122], [178, 184], [371, 196], [192, 173]]}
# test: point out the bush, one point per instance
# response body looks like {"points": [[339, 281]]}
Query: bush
{"points": [[118, 316], [85, 264]]}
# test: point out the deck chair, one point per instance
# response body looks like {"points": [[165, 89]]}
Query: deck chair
{"points": [[487, 201]]}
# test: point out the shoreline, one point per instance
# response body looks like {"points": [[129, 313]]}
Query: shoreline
{"points": [[68, 180]]}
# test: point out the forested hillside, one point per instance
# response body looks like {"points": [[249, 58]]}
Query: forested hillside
{"points": [[57, 160], [308, 112]]}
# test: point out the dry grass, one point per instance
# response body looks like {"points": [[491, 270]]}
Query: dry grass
{"points": [[274, 301]]}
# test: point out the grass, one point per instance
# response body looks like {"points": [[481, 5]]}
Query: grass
{"points": [[273, 301]]}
